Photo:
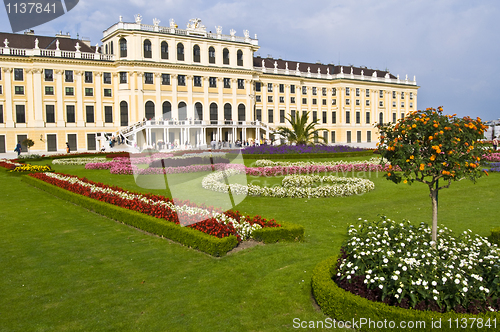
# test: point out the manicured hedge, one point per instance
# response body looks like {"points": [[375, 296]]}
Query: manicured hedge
{"points": [[190, 237], [495, 236], [345, 306], [304, 155], [287, 232]]}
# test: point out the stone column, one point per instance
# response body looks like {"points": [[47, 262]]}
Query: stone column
{"points": [[9, 118], [80, 117], [99, 107], [37, 97], [61, 122]]}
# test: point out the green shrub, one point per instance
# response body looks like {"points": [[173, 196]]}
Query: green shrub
{"points": [[347, 307], [495, 235], [287, 232]]}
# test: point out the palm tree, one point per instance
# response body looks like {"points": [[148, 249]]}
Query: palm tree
{"points": [[301, 132]]}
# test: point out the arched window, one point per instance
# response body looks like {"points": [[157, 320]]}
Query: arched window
{"points": [[241, 112], [167, 110], [112, 51], [123, 48], [381, 118], [147, 49], [225, 56], [106, 49], [196, 53], [239, 57], [214, 116], [182, 110], [123, 114], [164, 50], [198, 111], [180, 52], [150, 110], [228, 113], [211, 54]]}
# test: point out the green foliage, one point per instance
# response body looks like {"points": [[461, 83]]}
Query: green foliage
{"points": [[428, 146], [495, 235], [345, 306], [301, 132], [287, 232]]}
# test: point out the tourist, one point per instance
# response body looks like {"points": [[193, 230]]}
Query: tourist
{"points": [[495, 143], [68, 150], [18, 148]]}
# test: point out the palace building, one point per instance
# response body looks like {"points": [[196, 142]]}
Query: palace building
{"points": [[149, 83]]}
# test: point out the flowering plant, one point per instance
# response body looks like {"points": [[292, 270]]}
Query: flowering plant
{"points": [[492, 156], [9, 164], [28, 168], [397, 263]]}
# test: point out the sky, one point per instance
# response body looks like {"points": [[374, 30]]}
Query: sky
{"points": [[451, 47]]}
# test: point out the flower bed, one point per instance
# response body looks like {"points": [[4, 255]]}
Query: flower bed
{"points": [[78, 161], [399, 265], [295, 186], [494, 167], [187, 161], [208, 220], [9, 164], [298, 149], [491, 156], [31, 169]]}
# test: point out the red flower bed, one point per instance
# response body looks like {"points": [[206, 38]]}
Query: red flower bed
{"points": [[7, 165], [209, 226]]}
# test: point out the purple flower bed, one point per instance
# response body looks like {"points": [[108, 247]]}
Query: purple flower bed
{"points": [[298, 149], [495, 167]]}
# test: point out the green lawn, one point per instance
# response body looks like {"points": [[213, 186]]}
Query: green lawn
{"points": [[64, 268]]}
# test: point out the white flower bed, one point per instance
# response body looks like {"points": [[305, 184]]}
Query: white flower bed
{"points": [[296, 186], [205, 154], [244, 229], [78, 161]]}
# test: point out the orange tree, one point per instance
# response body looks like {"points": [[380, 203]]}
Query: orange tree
{"points": [[428, 146]]}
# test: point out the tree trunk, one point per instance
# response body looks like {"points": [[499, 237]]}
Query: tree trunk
{"points": [[433, 195]]}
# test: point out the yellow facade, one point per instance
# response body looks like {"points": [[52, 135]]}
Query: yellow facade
{"points": [[147, 71]]}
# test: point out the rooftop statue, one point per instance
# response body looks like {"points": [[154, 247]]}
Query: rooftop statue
{"points": [[195, 24]]}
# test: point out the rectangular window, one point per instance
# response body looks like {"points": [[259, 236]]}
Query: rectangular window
{"points": [[325, 137], [334, 102], [258, 114], [402, 104], [367, 93], [165, 79], [315, 116], [108, 114], [402, 115], [89, 92], [381, 93], [358, 117], [367, 102], [49, 90], [314, 101], [292, 100], [304, 101], [411, 95], [257, 86], [348, 102], [70, 113], [123, 77], [269, 87], [357, 92], [148, 78], [68, 76], [393, 94], [241, 83], [72, 142], [334, 118], [282, 116], [411, 104], [70, 91], [347, 91], [270, 115], [323, 92], [227, 83], [0, 89], [20, 114], [89, 113], [367, 117], [393, 104], [106, 78], [282, 99], [88, 77], [292, 88], [258, 99], [348, 136], [304, 90], [212, 81], [347, 116], [292, 114], [334, 93], [18, 74], [269, 99], [369, 136], [197, 80], [393, 117], [357, 102], [91, 142], [50, 115], [324, 102], [402, 95], [358, 136], [1, 113], [282, 88], [107, 93], [381, 103], [314, 91], [324, 116], [49, 75], [332, 134], [19, 90], [181, 80]]}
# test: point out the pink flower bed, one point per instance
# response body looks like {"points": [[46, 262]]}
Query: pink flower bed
{"points": [[492, 157]]}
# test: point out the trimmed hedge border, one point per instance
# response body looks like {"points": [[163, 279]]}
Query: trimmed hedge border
{"points": [[304, 155], [347, 307], [187, 236]]}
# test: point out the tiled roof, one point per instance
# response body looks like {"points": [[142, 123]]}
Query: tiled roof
{"points": [[49, 43], [313, 67]]}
